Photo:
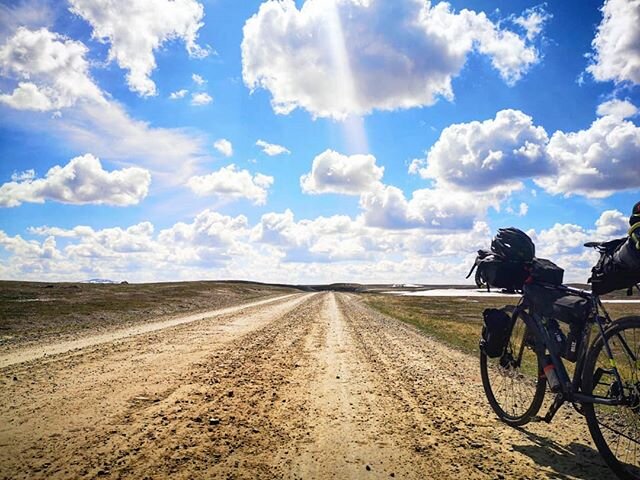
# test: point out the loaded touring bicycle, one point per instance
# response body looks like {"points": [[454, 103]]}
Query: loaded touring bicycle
{"points": [[562, 340]]}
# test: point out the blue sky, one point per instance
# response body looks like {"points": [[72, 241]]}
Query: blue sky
{"points": [[316, 141]]}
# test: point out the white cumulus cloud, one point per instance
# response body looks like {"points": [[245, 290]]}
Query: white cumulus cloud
{"points": [[202, 98], [618, 108], [612, 223], [595, 162], [271, 149], [533, 21], [182, 251], [81, 181], [224, 146], [135, 29], [483, 155], [332, 172], [228, 182], [340, 57], [178, 94], [208, 229], [503, 152], [199, 80], [323, 239], [51, 70], [617, 43], [434, 209], [523, 209]]}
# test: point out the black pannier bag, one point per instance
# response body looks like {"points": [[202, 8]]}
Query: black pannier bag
{"points": [[554, 303], [571, 309], [543, 270], [504, 266], [542, 299], [496, 272], [495, 332], [617, 268]]}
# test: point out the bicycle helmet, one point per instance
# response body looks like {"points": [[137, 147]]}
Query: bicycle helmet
{"points": [[513, 245]]}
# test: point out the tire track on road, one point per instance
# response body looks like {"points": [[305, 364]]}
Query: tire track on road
{"points": [[228, 419], [441, 391], [53, 410], [353, 427], [35, 353]]}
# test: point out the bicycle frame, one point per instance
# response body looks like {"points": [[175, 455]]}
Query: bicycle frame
{"points": [[570, 388]]}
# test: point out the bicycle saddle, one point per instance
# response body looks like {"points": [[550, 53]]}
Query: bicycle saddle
{"points": [[606, 246]]}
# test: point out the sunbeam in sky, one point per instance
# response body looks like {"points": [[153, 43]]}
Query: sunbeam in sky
{"points": [[353, 127]]}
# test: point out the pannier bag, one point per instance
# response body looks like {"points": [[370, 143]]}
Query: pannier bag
{"points": [[618, 266], [543, 270], [495, 332]]}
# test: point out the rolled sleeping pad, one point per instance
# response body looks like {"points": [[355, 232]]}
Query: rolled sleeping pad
{"points": [[627, 257]]}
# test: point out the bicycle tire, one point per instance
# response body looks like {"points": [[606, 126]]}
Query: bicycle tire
{"points": [[601, 419], [515, 390]]}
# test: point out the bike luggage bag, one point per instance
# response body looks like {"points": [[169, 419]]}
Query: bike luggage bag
{"points": [[495, 332], [494, 271], [543, 270], [571, 309], [500, 274], [504, 266], [617, 268]]}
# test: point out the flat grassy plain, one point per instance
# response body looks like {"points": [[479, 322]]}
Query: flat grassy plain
{"points": [[33, 311], [457, 321]]}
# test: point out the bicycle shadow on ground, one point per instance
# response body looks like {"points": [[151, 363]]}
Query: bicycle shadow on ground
{"points": [[574, 460]]}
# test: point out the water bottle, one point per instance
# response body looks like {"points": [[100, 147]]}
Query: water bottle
{"points": [[557, 335], [551, 375], [573, 342]]}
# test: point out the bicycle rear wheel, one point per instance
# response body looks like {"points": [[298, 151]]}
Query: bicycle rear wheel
{"points": [[514, 383], [616, 429]]}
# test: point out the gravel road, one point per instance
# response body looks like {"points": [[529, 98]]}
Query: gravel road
{"points": [[311, 386]]}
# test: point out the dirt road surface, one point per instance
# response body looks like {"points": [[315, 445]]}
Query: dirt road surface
{"points": [[308, 386]]}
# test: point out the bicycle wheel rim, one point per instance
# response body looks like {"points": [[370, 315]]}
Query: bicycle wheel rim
{"points": [[616, 429], [512, 382]]}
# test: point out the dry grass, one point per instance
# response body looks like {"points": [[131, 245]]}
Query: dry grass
{"points": [[31, 311], [456, 321]]}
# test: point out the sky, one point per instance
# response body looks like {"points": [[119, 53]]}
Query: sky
{"points": [[312, 141]]}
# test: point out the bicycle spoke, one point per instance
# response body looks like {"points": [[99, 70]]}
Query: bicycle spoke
{"points": [[620, 425], [513, 378]]}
